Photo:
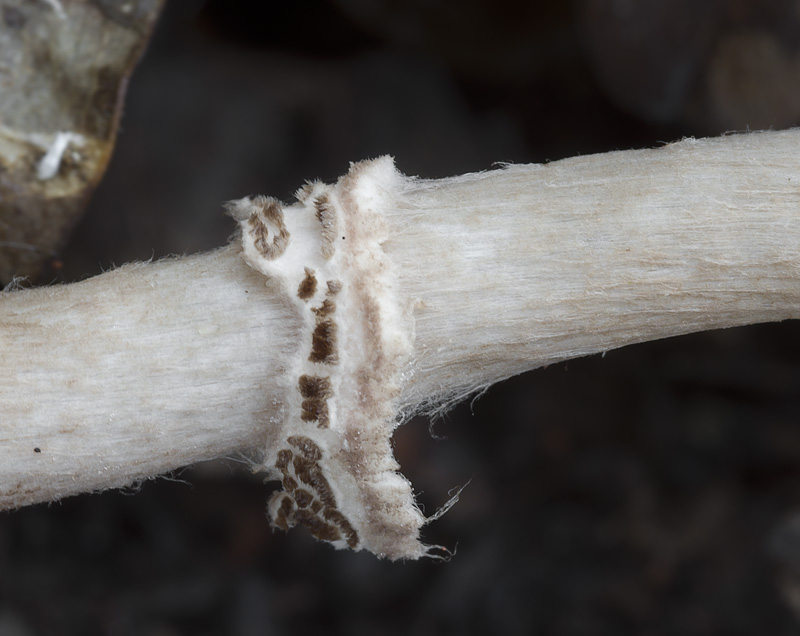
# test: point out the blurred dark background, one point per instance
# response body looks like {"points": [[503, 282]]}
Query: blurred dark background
{"points": [[652, 491]]}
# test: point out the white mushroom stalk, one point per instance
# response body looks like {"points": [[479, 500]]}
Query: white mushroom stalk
{"points": [[305, 343]]}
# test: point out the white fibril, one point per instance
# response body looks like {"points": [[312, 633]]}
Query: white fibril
{"points": [[379, 297]]}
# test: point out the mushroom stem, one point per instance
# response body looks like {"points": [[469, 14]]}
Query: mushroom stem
{"points": [[384, 296], [533, 264], [136, 372]]}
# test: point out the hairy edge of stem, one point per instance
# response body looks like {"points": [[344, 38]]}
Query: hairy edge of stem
{"points": [[382, 296]]}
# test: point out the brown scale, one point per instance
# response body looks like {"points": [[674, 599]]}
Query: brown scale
{"points": [[336, 517], [325, 309], [281, 521], [289, 483], [303, 498], [284, 515], [311, 475], [316, 390], [315, 411], [334, 287], [323, 343], [306, 446], [314, 387], [319, 528], [272, 211], [327, 220], [302, 468], [317, 481], [308, 286], [282, 463], [260, 232]]}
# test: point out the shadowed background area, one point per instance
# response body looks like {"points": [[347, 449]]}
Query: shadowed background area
{"points": [[655, 490]]}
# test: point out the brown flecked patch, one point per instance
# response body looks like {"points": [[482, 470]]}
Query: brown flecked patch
{"points": [[313, 504]]}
